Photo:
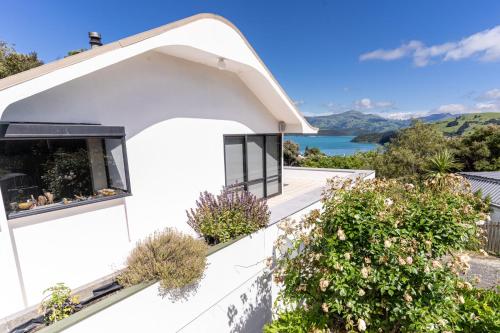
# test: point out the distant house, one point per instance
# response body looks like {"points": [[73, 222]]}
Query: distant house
{"points": [[489, 185], [99, 149]]}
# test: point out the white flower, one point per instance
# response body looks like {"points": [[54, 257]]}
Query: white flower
{"points": [[387, 244], [347, 256], [407, 297], [401, 261], [388, 202], [480, 222], [364, 272], [461, 299], [361, 325], [409, 187], [324, 306], [269, 262], [409, 260], [368, 260], [341, 234], [323, 284], [361, 292], [436, 264]]}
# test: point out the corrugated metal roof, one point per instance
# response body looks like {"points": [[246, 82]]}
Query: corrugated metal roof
{"points": [[487, 182]]}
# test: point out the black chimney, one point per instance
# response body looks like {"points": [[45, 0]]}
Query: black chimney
{"points": [[94, 39]]}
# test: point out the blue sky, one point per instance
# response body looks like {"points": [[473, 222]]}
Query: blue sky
{"points": [[394, 58]]}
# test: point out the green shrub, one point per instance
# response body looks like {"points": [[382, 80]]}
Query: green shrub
{"points": [[228, 215], [59, 304], [480, 311], [370, 260], [177, 260], [362, 160], [290, 153]]}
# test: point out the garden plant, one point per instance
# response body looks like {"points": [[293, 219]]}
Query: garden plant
{"points": [[384, 256], [175, 259], [228, 215], [59, 304]]}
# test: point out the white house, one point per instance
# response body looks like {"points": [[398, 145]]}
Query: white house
{"points": [[148, 122]]}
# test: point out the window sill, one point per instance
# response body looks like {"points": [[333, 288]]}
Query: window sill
{"points": [[60, 206]]}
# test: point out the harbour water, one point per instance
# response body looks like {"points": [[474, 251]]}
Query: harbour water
{"points": [[331, 145]]}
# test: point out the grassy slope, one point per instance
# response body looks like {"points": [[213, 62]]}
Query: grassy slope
{"points": [[466, 123]]}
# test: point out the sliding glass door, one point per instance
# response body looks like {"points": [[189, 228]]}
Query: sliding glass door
{"points": [[253, 163]]}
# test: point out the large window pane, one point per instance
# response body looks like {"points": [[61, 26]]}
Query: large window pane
{"points": [[257, 189], [255, 157], [234, 149], [273, 157], [44, 173], [253, 162], [273, 164]]}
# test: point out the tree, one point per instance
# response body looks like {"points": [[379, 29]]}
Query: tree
{"points": [[479, 150], [406, 156], [12, 62], [312, 151], [290, 153], [439, 166]]}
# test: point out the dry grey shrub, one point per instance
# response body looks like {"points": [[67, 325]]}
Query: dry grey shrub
{"points": [[175, 259]]}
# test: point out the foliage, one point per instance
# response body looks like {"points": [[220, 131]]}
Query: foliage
{"points": [[12, 62], [312, 151], [479, 150], [59, 304], [357, 161], [228, 215], [67, 174], [441, 164], [406, 156], [73, 52], [480, 311], [290, 153], [177, 260], [371, 259], [418, 151]]}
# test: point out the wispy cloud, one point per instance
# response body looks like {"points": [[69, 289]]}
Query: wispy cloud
{"points": [[484, 45], [493, 94], [368, 104], [298, 102], [313, 114]]}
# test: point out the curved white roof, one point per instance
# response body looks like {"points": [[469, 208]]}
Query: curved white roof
{"points": [[203, 38]]}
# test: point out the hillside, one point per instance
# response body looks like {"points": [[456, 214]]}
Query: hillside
{"points": [[467, 122], [355, 123]]}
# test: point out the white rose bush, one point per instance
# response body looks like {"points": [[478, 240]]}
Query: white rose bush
{"points": [[372, 261]]}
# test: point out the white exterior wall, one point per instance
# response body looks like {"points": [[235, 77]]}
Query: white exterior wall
{"points": [[236, 294], [175, 113]]}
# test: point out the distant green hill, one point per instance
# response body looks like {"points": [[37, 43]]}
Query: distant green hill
{"points": [[467, 122], [454, 126], [355, 123]]}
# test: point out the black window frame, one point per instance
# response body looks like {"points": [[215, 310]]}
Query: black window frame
{"points": [[265, 178], [61, 131]]}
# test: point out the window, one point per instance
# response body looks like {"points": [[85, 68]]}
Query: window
{"points": [[43, 174], [253, 163]]}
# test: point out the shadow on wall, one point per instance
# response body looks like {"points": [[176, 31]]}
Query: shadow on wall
{"points": [[145, 90], [255, 314]]}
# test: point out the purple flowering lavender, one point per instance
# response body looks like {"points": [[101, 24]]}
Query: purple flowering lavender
{"points": [[227, 215]]}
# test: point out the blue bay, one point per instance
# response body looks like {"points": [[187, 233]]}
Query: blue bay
{"points": [[331, 145]]}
